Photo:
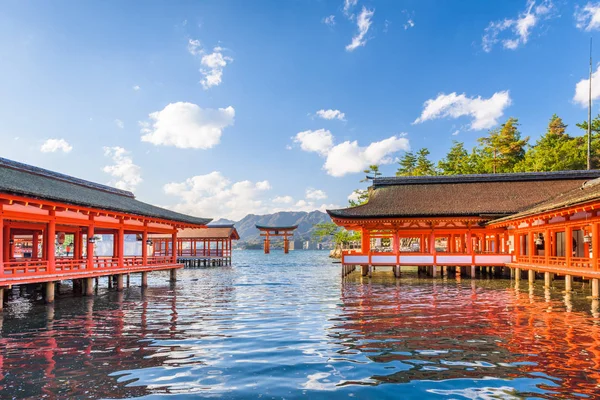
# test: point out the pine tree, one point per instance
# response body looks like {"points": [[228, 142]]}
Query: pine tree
{"points": [[503, 148], [407, 163]]}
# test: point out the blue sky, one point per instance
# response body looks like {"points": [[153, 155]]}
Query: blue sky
{"points": [[212, 107]]}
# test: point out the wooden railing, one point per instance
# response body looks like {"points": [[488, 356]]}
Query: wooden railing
{"points": [[25, 268], [69, 264], [197, 253]]}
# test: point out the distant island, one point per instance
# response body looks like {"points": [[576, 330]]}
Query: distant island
{"points": [[306, 221]]}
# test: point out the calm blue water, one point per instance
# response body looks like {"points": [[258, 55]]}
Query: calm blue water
{"points": [[287, 327]]}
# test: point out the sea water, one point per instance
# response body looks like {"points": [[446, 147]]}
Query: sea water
{"points": [[288, 326]]}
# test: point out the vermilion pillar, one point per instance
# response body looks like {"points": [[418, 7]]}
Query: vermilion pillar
{"points": [[51, 240], [90, 247], [2, 239], [145, 247], [568, 245], [595, 242], [174, 245], [365, 242], [35, 242], [121, 247]]}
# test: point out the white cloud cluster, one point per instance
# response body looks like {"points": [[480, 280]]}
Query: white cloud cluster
{"points": [[329, 20], [583, 86], [315, 194], [587, 17], [213, 67], [331, 114], [119, 124], [348, 157], [484, 112], [187, 126], [348, 5], [136, 87], [213, 195], [364, 23], [515, 31], [128, 174], [54, 145], [212, 63]]}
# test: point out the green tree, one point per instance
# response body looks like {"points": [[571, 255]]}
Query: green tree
{"points": [[424, 165], [408, 164], [595, 140], [340, 236], [503, 148], [458, 161], [361, 196], [555, 150]]}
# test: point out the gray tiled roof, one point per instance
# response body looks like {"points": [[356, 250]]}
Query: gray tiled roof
{"points": [[486, 196], [29, 181]]}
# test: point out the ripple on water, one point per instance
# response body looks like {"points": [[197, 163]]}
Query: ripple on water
{"points": [[287, 326]]}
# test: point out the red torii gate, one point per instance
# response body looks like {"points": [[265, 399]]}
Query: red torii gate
{"points": [[275, 231]]}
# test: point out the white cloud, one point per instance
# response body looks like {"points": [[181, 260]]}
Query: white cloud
{"points": [[136, 88], [194, 47], [214, 64], [128, 174], [119, 124], [331, 114], [348, 5], [348, 157], [583, 86], [319, 141], [484, 112], [364, 23], [330, 20], [456, 132], [515, 32], [283, 199], [354, 196], [588, 17], [315, 194], [213, 195], [409, 24], [186, 125], [54, 145]]}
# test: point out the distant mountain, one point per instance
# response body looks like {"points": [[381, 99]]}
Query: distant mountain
{"points": [[222, 221], [306, 221]]}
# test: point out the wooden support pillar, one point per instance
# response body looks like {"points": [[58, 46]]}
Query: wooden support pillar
{"points": [[547, 279], [364, 270], [286, 245], [595, 289], [144, 279], [568, 283], [127, 280], [397, 271], [517, 274], [173, 275], [267, 245], [50, 287], [370, 271], [531, 275], [89, 286], [119, 282]]}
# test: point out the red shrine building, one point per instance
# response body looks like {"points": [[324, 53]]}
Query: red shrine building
{"points": [[55, 227], [541, 222], [211, 245]]}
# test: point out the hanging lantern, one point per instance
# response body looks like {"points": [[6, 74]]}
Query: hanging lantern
{"points": [[149, 242], [587, 238], [61, 238]]}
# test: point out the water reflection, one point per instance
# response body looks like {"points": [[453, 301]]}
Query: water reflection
{"points": [[289, 327]]}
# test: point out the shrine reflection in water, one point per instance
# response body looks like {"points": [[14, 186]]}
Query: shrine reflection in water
{"points": [[289, 327]]}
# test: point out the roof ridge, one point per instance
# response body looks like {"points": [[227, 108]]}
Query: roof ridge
{"points": [[479, 178], [6, 163]]}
